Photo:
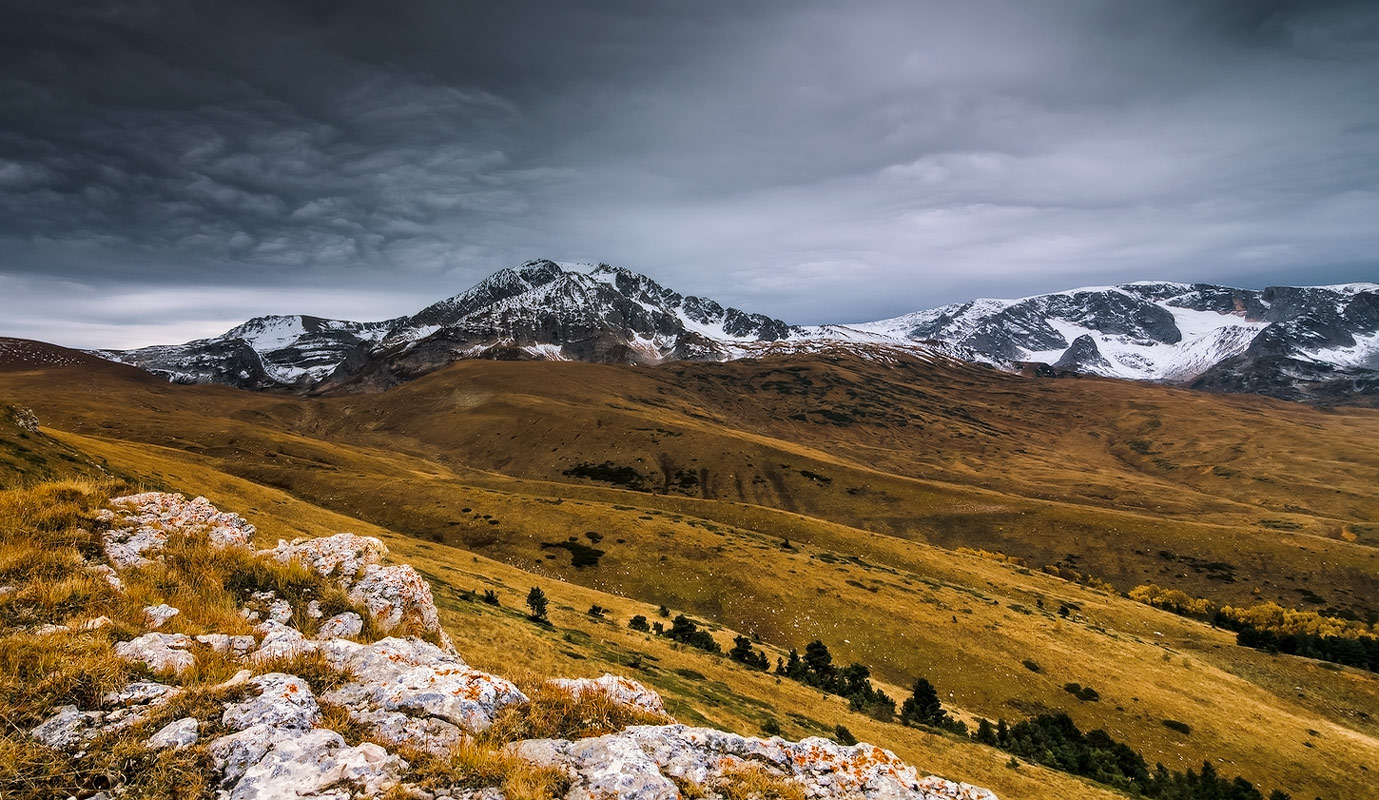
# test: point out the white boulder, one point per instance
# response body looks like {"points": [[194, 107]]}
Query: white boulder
{"points": [[177, 735], [341, 626], [342, 556], [284, 701], [160, 652], [157, 616], [67, 729], [418, 679]]}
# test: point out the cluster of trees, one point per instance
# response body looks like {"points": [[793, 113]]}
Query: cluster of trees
{"points": [[1275, 629], [744, 653], [1173, 600], [816, 668], [1055, 741], [685, 631], [1352, 652]]}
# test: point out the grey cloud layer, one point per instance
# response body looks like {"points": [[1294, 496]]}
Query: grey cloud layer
{"points": [[818, 161]]}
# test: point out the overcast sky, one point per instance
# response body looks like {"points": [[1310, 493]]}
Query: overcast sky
{"points": [[169, 169]]}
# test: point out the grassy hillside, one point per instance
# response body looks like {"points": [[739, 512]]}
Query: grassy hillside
{"points": [[822, 498]]}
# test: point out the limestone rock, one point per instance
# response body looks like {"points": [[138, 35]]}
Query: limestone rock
{"points": [[160, 652], [623, 691], [150, 517], [342, 556], [280, 641], [177, 735], [284, 701], [638, 762], [96, 623], [141, 692], [341, 626], [68, 729], [306, 764], [157, 616], [108, 573], [238, 646], [418, 679], [396, 595]]}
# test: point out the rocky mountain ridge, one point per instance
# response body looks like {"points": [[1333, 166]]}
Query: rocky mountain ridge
{"points": [[1297, 343], [409, 690]]}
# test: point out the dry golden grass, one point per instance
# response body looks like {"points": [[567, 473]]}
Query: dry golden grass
{"points": [[555, 713], [475, 765], [755, 782]]}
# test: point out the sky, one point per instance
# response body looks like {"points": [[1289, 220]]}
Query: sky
{"points": [[169, 169]]}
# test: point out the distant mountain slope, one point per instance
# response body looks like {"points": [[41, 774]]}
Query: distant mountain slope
{"points": [[263, 353], [571, 312], [1297, 343]]}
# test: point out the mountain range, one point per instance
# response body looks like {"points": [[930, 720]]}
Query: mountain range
{"points": [[1316, 343]]}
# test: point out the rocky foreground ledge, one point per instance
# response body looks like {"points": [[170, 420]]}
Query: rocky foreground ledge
{"points": [[407, 688]]}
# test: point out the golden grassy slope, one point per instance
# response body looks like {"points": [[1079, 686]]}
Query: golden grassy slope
{"points": [[983, 460]]}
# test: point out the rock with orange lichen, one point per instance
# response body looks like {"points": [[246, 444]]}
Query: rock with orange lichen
{"points": [[640, 762], [414, 678], [623, 691]]}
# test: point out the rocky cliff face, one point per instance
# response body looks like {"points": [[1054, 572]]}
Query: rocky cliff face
{"points": [[268, 734]]}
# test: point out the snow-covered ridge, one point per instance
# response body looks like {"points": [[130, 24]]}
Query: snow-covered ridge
{"points": [[1217, 336]]}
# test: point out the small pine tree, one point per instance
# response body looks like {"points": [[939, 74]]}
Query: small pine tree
{"points": [[986, 733], [639, 623], [922, 707], [844, 736], [536, 601]]}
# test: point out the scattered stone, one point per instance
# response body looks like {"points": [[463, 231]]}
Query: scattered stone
{"points": [[238, 679], [25, 419], [177, 735], [157, 616], [68, 729], [108, 573], [313, 610], [160, 652], [285, 701], [623, 691], [96, 623], [141, 692], [47, 630], [149, 517], [238, 646], [341, 626]]}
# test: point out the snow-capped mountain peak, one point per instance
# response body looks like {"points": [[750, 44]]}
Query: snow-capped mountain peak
{"points": [[1282, 340]]}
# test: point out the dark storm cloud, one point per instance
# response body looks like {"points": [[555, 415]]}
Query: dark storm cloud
{"points": [[182, 166]]}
